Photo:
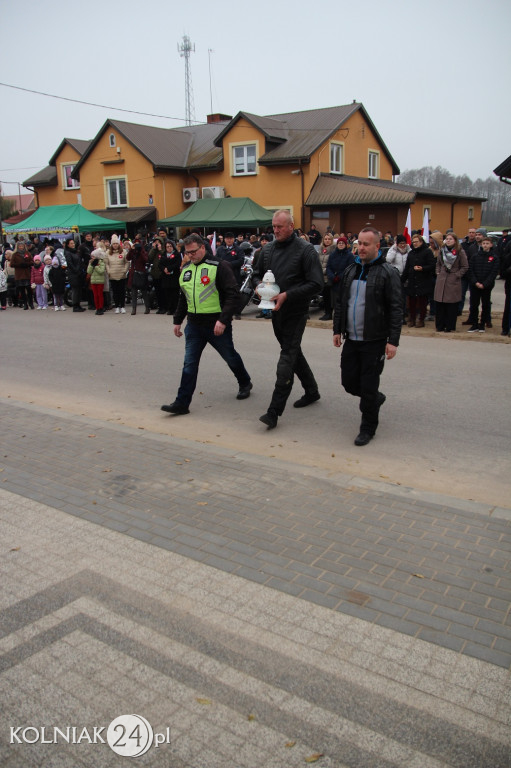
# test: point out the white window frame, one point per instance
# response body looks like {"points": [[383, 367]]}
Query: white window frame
{"points": [[373, 157], [111, 140], [428, 209], [67, 182], [117, 180], [244, 146], [471, 213], [337, 162]]}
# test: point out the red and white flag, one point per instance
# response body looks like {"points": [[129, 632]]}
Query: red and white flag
{"points": [[213, 244], [408, 228], [425, 226]]}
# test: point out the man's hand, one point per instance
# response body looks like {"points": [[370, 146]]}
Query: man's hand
{"points": [[337, 340], [177, 331], [279, 300], [390, 351], [219, 328]]}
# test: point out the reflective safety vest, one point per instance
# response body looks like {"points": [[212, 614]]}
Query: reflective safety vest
{"points": [[198, 283]]}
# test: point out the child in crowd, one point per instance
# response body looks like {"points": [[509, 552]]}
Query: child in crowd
{"points": [[37, 283], [47, 266], [57, 280], [483, 271]]}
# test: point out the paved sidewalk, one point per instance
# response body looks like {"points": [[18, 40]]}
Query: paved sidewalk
{"points": [[263, 614], [96, 624]]}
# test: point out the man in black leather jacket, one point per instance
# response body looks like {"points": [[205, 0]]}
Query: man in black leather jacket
{"points": [[368, 314], [295, 265]]}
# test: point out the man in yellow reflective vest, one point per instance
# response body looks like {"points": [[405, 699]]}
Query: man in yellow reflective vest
{"points": [[209, 298]]}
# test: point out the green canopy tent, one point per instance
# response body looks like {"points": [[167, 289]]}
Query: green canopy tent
{"points": [[221, 213], [64, 218]]}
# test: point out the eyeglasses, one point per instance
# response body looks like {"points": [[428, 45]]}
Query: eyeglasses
{"points": [[191, 253]]}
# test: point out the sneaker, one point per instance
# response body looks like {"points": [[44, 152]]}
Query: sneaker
{"points": [[306, 399], [62, 308], [481, 329], [117, 310], [122, 311], [100, 312], [363, 438], [176, 408], [269, 419], [474, 329], [244, 392], [467, 322], [489, 324], [325, 317], [39, 307], [45, 307], [56, 309], [381, 398]]}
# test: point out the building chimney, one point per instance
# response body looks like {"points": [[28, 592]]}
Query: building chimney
{"points": [[219, 118]]}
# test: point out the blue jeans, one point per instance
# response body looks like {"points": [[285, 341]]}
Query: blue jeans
{"points": [[196, 338]]}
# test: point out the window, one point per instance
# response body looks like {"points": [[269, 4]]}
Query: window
{"points": [[244, 160], [426, 209], [336, 158], [69, 183], [470, 213], [111, 139], [374, 161], [117, 197]]}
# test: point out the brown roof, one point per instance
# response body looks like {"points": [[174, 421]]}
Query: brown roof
{"points": [[296, 135], [80, 145], [167, 148], [133, 215], [332, 189], [350, 190], [47, 177]]}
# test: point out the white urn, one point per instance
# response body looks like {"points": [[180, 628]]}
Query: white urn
{"points": [[268, 290]]}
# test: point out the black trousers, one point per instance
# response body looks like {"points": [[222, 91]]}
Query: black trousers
{"points": [[119, 292], [482, 295], [288, 329], [361, 367], [446, 315]]}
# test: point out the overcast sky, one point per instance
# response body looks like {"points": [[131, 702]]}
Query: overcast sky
{"points": [[434, 77]]}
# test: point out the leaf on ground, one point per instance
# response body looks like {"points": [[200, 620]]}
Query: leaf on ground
{"points": [[289, 744], [91, 435], [188, 461], [202, 503], [15, 549], [106, 470], [332, 455], [202, 701], [251, 717], [418, 575], [314, 758]]}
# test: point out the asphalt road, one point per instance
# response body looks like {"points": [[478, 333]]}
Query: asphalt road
{"points": [[445, 427]]}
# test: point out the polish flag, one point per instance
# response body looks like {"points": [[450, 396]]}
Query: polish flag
{"points": [[408, 228], [213, 244], [425, 227]]}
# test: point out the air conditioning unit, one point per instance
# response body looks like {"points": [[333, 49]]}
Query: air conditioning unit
{"points": [[210, 192], [190, 194]]}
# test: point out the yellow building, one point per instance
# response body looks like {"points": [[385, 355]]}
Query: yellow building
{"points": [[328, 166]]}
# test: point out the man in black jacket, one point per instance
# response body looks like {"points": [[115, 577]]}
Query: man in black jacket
{"points": [[295, 265], [368, 314]]}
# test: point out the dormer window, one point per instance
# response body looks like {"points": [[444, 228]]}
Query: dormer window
{"points": [[111, 139]]}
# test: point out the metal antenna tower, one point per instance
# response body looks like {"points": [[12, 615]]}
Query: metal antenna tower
{"points": [[185, 49]]}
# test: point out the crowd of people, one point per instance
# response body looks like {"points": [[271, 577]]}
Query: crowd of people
{"points": [[371, 285]]}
